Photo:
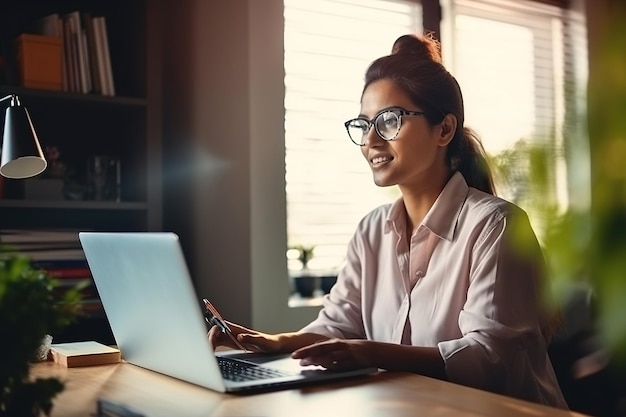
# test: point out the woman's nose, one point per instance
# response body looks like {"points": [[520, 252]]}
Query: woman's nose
{"points": [[372, 138]]}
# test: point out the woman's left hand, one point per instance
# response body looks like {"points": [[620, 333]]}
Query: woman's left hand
{"points": [[336, 354]]}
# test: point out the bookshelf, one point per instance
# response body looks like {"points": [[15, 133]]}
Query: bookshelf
{"points": [[125, 126]]}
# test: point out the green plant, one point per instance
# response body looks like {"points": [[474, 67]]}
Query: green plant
{"points": [[305, 253], [607, 135], [589, 243], [581, 245], [29, 310]]}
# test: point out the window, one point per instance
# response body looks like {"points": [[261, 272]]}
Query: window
{"points": [[512, 60], [328, 46]]}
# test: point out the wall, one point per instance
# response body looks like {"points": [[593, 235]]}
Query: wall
{"points": [[224, 186]]}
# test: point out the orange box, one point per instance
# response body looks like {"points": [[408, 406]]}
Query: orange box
{"points": [[40, 61]]}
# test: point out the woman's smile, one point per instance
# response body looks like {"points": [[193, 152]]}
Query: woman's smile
{"points": [[378, 160]]}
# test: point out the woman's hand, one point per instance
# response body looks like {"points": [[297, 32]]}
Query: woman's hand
{"points": [[250, 339], [337, 354]]}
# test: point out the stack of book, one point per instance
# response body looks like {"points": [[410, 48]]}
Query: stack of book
{"points": [[86, 55], [60, 255]]}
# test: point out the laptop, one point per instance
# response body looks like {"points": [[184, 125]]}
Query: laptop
{"points": [[158, 321]]}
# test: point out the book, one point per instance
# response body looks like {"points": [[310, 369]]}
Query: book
{"points": [[51, 238], [90, 30], [92, 306], [79, 50], [104, 56], [59, 263], [61, 273], [46, 255], [87, 353], [68, 56], [52, 25]]}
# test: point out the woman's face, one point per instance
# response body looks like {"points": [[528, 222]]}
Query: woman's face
{"points": [[416, 157]]}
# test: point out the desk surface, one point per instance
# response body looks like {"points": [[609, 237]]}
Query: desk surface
{"points": [[383, 394]]}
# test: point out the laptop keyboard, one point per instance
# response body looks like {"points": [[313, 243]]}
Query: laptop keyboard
{"points": [[238, 371]]}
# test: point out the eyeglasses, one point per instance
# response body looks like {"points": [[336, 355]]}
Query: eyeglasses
{"points": [[387, 124]]}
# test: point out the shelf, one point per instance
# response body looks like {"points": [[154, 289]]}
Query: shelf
{"points": [[81, 126], [73, 205], [26, 93], [125, 128]]}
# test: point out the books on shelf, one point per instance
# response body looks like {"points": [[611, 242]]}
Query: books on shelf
{"points": [[56, 251], [42, 244], [38, 235], [59, 254], [86, 55], [87, 353]]}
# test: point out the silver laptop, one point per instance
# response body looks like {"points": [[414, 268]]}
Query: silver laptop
{"points": [[158, 322]]}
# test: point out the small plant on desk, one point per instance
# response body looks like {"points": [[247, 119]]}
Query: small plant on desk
{"points": [[304, 254], [29, 311]]}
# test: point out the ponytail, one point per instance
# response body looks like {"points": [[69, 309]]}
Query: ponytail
{"points": [[467, 155]]}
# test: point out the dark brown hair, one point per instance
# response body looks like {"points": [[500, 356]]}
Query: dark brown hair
{"points": [[415, 66]]}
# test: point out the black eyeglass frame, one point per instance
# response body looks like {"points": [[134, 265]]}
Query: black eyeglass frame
{"points": [[397, 111]]}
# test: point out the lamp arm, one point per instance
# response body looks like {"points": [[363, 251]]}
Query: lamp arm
{"points": [[15, 100]]}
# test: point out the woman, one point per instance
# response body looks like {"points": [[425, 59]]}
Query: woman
{"points": [[446, 281]]}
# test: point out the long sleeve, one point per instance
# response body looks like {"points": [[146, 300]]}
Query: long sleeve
{"points": [[468, 281], [502, 348]]}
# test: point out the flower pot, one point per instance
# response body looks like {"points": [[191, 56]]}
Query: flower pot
{"points": [[305, 285], [327, 282]]}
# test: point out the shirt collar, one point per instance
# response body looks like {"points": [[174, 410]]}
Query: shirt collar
{"points": [[442, 218]]}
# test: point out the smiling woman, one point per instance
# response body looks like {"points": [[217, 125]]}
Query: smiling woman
{"points": [[446, 280]]}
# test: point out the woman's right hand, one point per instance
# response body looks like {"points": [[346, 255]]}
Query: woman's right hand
{"points": [[250, 339]]}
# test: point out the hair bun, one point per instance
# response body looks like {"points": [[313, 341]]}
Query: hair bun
{"points": [[422, 47]]}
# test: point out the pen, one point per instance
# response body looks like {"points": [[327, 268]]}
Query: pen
{"points": [[217, 320]]}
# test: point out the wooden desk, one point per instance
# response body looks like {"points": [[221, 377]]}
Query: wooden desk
{"points": [[384, 394]]}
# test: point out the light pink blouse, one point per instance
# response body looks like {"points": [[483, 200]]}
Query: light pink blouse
{"points": [[468, 283]]}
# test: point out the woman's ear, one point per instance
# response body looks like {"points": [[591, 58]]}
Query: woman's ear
{"points": [[447, 127]]}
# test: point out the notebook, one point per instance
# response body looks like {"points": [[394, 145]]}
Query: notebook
{"points": [[158, 322]]}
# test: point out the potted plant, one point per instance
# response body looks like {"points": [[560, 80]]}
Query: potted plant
{"points": [[305, 282], [29, 310]]}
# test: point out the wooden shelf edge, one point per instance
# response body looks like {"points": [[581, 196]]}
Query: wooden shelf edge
{"points": [[73, 205], [66, 95]]}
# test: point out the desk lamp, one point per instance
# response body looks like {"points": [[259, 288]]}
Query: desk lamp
{"points": [[22, 156]]}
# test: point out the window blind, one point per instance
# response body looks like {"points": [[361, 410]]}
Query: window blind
{"points": [[514, 63], [328, 46], [521, 69]]}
